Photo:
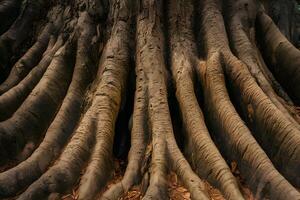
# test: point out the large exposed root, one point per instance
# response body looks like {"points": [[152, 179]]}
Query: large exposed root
{"points": [[208, 161], [243, 40], [284, 65], [34, 54], [9, 10], [274, 131], [11, 100], [53, 139], [13, 38], [162, 146], [114, 66], [240, 144], [32, 119], [65, 120]]}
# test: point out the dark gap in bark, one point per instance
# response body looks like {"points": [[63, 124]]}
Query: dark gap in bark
{"points": [[166, 34], [108, 20], [122, 140], [172, 100], [235, 98], [176, 120], [198, 89], [198, 31], [198, 34], [215, 137]]}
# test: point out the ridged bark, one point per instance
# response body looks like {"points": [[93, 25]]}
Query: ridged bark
{"points": [[216, 85]]}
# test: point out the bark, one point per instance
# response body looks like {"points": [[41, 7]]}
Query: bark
{"points": [[66, 119], [215, 84], [12, 39], [208, 161], [35, 53], [285, 15], [9, 11], [278, 60]]}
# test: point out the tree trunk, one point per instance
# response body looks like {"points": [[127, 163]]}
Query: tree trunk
{"points": [[203, 86]]}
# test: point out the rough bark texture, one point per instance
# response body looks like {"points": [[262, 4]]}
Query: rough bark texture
{"points": [[211, 83]]}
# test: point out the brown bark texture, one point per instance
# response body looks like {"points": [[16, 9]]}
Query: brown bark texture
{"points": [[182, 87]]}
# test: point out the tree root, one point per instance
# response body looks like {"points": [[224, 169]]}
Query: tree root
{"points": [[59, 111]]}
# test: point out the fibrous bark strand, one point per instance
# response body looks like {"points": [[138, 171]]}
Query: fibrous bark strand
{"points": [[222, 69]]}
